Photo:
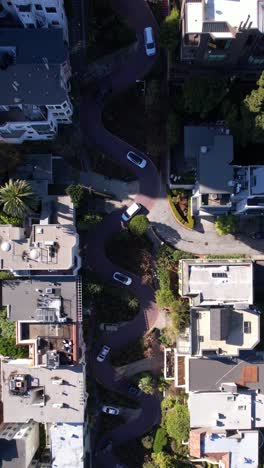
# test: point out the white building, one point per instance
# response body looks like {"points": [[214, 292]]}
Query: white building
{"points": [[34, 79], [37, 13]]}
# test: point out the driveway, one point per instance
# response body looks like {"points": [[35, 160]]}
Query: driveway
{"points": [[138, 15], [207, 242]]}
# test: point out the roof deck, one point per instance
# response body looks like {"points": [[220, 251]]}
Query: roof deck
{"points": [[47, 247]]}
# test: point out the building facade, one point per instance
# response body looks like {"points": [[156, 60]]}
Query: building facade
{"points": [[37, 14]]}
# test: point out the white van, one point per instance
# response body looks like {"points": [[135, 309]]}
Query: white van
{"points": [[149, 41], [131, 211]]}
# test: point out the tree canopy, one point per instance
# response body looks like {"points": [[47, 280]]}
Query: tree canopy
{"points": [[225, 224], [246, 120], [17, 198], [169, 30], [202, 94], [178, 422], [139, 225], [8, 345]]}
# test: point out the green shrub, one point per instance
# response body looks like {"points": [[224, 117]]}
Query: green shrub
{"points": [[169, 30], [139, 225], [76, 192], [6, 219], [89, 221], [6, 275], [225, 224], [164, 297], [178, 422], [147, 442], [8, 345], [222, 256], [160, 440], [146, 384]]}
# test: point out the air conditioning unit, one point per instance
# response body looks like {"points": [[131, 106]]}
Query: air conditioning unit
{"points": [[49, 290]]}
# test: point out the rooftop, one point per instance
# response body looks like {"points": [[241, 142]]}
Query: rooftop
{"points": [[44, 395], [241, 447], [67, 445], [217, 282], [232, 12], [214, 166], [19, 451], [48, 247], [31, 74], [209, 374], [224, 329], [220, 410], [26, 299]]}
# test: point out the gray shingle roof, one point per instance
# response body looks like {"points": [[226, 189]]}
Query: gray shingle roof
{"points": [[37, 84], [209, 374]]}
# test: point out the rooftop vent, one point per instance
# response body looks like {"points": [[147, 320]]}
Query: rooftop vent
{"points": [[5, 246]]}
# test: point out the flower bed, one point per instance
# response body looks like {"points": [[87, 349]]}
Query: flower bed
{"points": [[184, 218]]}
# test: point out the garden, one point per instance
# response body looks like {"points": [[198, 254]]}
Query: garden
{"points": [[8, 345], [180, 203], [162, 447], [111, 303], [133, 252]]}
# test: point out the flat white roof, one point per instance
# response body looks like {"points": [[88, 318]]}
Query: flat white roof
{"points": [[220, 410], [221, 283], [244, 451], [194, 17], [67, 445], [232, 11]]}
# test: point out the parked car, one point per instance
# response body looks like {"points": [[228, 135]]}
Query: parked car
{"points": [[109, 327], [124, 279], [258, 235], [103, 353], [110, 410], [136, 159], [149, 41], [131, 211], [134, 390]]}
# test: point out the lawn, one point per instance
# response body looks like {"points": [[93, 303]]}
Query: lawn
{"points": [[133, 253]]}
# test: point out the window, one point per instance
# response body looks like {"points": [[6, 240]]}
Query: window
{"points": [[55, 23], [38, 7], [242, 407], [247, 327], [57, 107], [201, 339], [65, 104], [51, 10]]}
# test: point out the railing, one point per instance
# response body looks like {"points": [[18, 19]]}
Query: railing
{"points": [[79, 299]]}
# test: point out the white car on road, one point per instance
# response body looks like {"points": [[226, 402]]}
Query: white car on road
{"points": [[110, 410], [136, 159], [103, 353], [121, 278], [131, 211]]}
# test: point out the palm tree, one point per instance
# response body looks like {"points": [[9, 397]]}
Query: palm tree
{"points": [[17, 198]]}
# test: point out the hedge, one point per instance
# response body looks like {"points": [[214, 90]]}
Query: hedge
{"points": [[160, 440]]}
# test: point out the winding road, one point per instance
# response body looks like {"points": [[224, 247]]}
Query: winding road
{"points": [[138, 15]]}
